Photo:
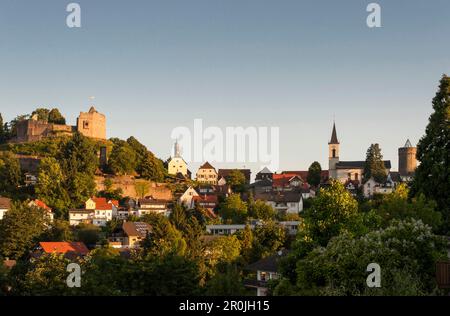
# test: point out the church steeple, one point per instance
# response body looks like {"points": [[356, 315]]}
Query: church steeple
{"points": [[333, 153], [334, 139], [177, 150]]}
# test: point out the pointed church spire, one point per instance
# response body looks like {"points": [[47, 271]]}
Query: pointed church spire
{"points": [[176, 150], [334, 139]]}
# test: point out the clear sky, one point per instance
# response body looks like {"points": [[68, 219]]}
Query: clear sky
{"points": [[156, 65]]}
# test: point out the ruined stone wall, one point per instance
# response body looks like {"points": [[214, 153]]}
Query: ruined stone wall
{"points": [[126, 183]]}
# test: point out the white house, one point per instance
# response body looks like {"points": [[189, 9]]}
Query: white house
{"points": [[42, 205], [290, 202], [266, 269], [187, 196], [225, 229], [78, 216], [104, 210], [151, 205], [371, 187]]}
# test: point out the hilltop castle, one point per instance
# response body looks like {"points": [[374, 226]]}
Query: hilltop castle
{"points": [[90, 124]]}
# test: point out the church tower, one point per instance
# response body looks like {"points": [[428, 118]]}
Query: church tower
{"points": [[333, 153]]}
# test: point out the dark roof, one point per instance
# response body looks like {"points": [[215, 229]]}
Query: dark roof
{"points": [[358, 164], [207, 165], [5, 203], [269, 264], [261, 183], [408, 144], [334, 139], [139, 229], [265, 171], [283, 197], [395, 176]]}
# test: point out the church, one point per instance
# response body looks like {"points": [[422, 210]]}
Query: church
{"points": [[345, 170]]}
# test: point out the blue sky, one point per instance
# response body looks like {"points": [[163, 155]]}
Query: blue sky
{"points": [[156, 65]]}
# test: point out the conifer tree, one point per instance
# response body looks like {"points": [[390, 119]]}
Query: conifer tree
{"points": [[374, 166], [432, 176]]}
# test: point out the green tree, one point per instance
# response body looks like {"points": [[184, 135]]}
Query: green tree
{"points": [[50, 187], [224, 249], [397, 206], [151, 168], [374, 166], [43, 276], [20, 229], [122, 159], [3, 132], [234, 209], [332, 211], [260, 210], [268, 239], [433, 174], [226, 283], [406, 250], [314, 174], [164, 238], [89, 234], [42, 114], [236, 180], [10, 172], [141, 187], [54, 116]]}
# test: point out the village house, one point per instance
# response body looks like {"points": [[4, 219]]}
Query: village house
{"points": [[80, 216], [5, 205], [135, 232], [130, 235], [186, 198], [291, 227], [42, 205], [225, 229], [371, 187], [289, 202], [265, 269], [149, 205], [104, 210], [70, 250], [207, 202], [207, 174]]}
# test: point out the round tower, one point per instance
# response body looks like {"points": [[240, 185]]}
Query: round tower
{"points": [[407, 162]]}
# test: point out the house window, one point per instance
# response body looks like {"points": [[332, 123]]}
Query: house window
{"points": [[356, 176], [334, 153], [85, 124], [349, 175]]}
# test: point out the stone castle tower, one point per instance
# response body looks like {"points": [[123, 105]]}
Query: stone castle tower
{"points": [[92, 124], [333, 153], [407, 162]]}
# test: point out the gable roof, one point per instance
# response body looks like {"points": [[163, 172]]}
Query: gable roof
{"points": [[5, 203], [268, 264], [280, 197], [265, 171], [64, 247], [139, 229], [281, 180], [207, 165], [41, 204]]}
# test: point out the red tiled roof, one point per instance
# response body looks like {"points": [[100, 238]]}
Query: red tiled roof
{"points": [[207, 165], [103, 205], [64, 247], [282, 180], [41, 204]]}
